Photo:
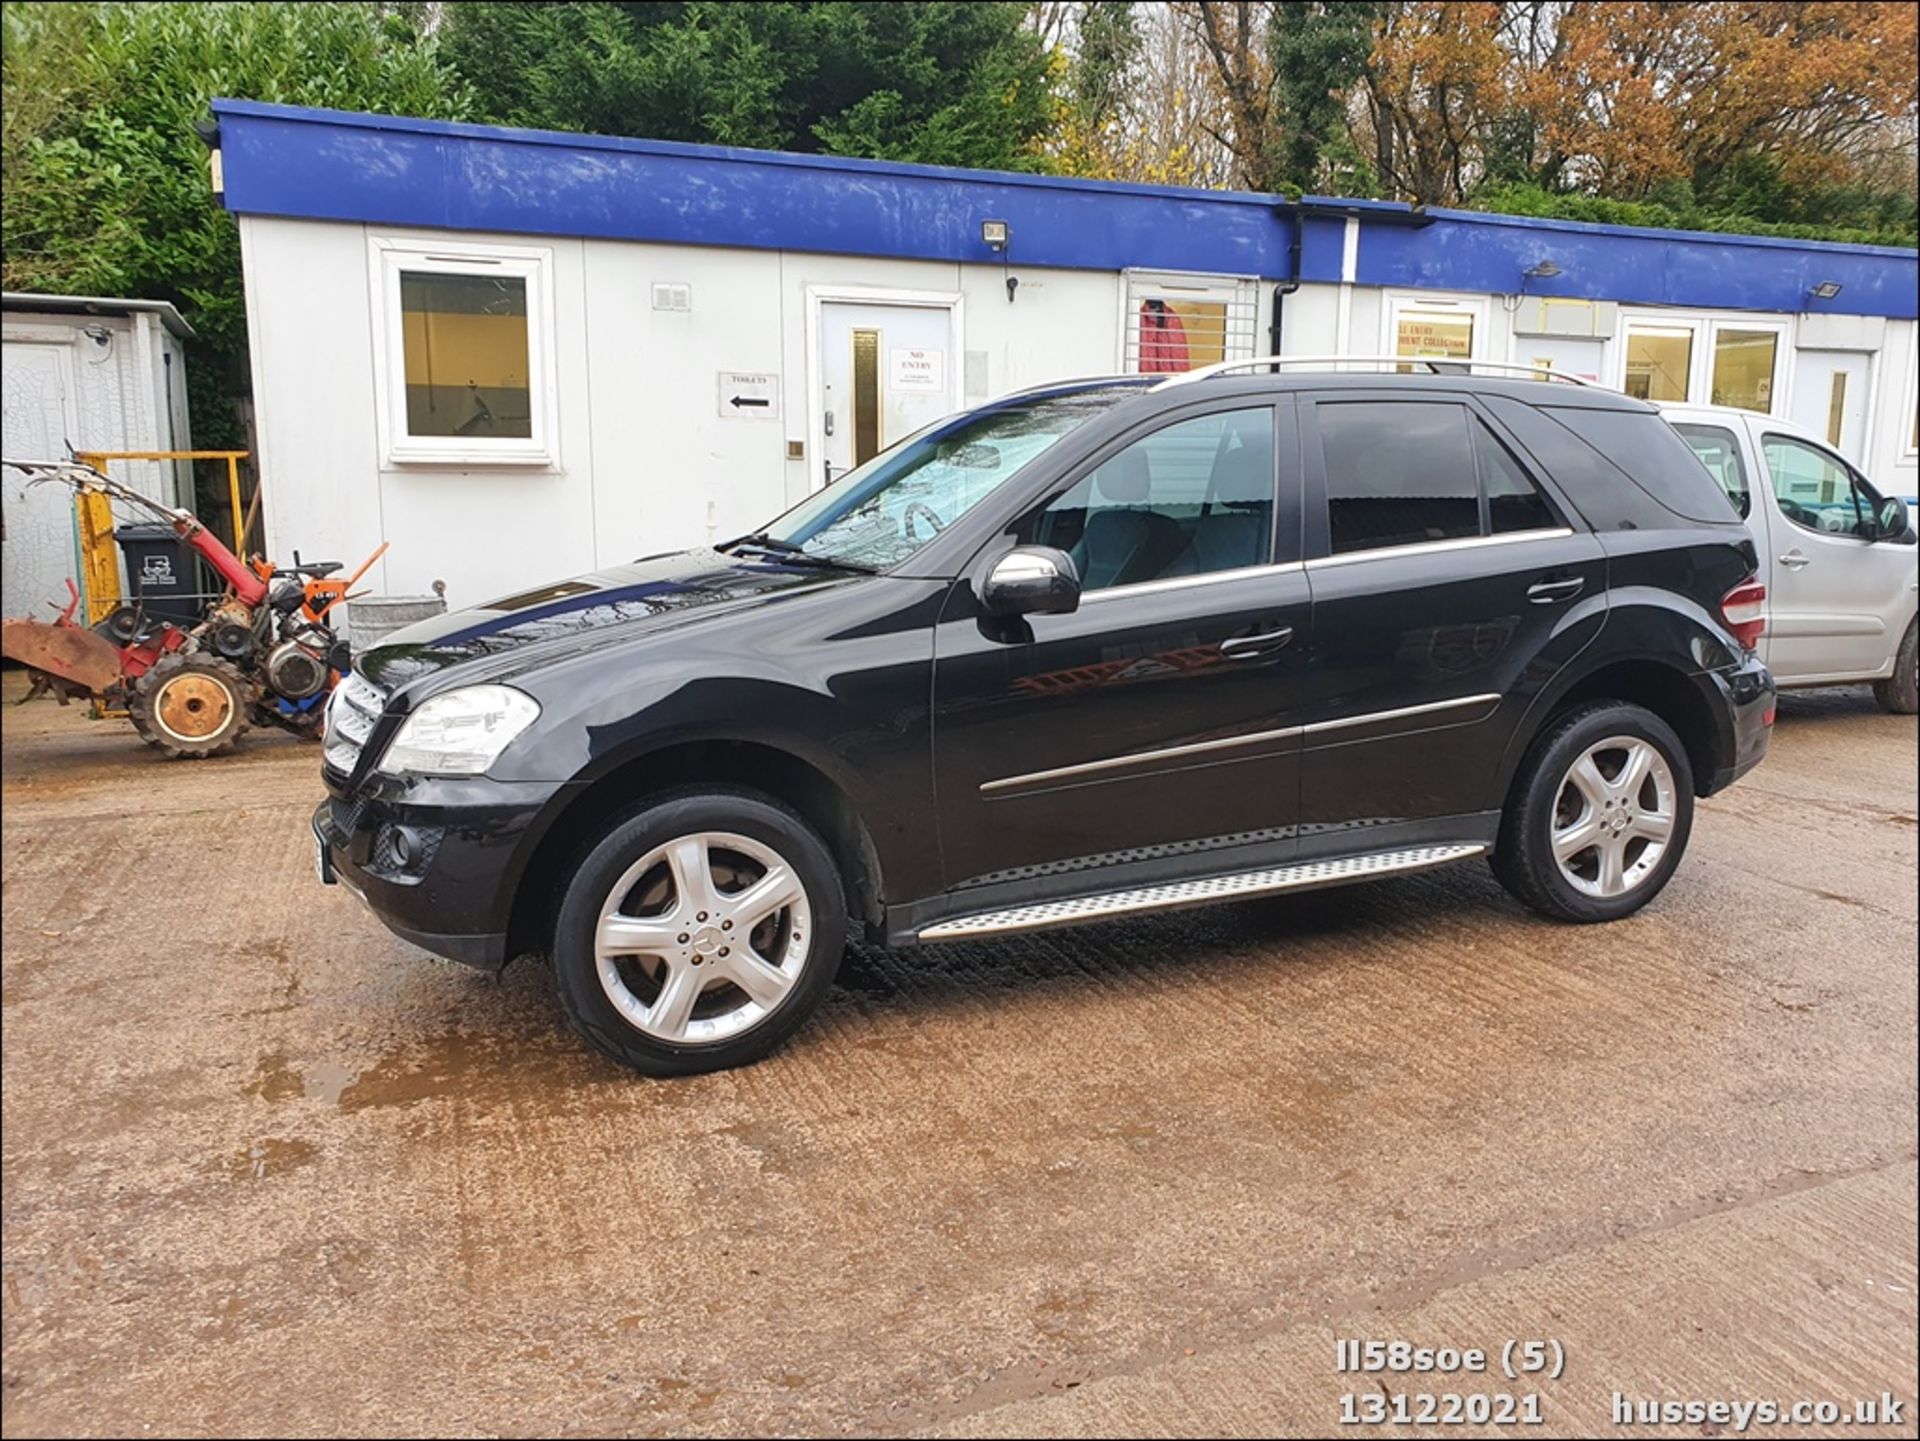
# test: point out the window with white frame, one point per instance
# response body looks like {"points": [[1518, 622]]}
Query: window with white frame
{"points": [[1177, 322], [1735, 361], [1442, 327], [1911, 420], [465, 344], [1659, 361]]}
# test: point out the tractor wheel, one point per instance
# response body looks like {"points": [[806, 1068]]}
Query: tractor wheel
{"points": [[192, 706]]}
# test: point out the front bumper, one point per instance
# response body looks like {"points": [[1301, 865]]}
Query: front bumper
{"points": [[1748, 694], [438, 860]]}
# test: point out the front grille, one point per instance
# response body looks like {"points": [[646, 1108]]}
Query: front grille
{"points": [[351, 712], [345, 816]]}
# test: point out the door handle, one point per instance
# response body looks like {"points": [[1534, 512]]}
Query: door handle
{"points": [[1793, 560], [1551, 592], [1252, 647]]}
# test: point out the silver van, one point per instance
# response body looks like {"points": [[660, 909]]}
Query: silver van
{"points": [[1840, 561]]}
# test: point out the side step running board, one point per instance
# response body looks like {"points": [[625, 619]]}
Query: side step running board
{"points": [[1305, 876]]}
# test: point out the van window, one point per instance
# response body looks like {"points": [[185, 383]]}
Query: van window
{"points": [[1398, 473], [1814, 489], [1719, 452]]}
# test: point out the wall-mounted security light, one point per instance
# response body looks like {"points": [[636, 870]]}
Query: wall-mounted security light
{"points": [[996, 234], [1825, 290], [1543, 270]]}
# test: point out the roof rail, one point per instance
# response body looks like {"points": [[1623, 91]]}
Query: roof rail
{"points": [[1071, 383], [1437, 365]]}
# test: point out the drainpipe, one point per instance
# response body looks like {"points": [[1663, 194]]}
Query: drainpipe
{"points": [[1286, 287], [1298, 212]]}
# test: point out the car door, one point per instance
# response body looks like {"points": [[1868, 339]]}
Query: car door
{"points": [[1838, 597], [1157, 719], [1449, 588]]}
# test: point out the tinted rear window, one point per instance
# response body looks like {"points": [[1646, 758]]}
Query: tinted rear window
{"points": [[1647, 450], [1398, 473]]}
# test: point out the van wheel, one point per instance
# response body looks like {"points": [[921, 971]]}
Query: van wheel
{"points": [[699, 932], [1900, 692], [1599, 815]]}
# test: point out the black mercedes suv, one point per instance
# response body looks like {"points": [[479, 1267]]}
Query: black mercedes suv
{"points": [[1104, 647]]}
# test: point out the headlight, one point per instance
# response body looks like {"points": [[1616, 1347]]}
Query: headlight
{"points": [[460, 733]]}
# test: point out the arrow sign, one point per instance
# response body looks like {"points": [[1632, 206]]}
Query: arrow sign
{"points": [[748, 395]]}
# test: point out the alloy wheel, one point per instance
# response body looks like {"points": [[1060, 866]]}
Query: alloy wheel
{"points": [[1613, 816], [703, 937]]}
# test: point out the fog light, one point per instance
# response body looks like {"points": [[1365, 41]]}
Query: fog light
{"points": [[403, 846]]}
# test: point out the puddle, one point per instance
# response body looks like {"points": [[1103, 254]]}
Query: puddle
{"points": [[277, 1079], [328, 1081], [268, 1157], [274, 1080], [483, 1067]]}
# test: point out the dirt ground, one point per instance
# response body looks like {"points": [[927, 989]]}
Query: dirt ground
{"points": [[268, 1170]]}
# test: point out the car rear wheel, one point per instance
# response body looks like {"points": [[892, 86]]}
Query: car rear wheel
{"points": [[698, 933], [1599, 816], [1900, 692]]}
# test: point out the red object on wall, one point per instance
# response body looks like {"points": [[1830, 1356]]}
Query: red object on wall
{"points": [[1163, 340]]}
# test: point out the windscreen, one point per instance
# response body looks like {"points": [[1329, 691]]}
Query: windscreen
{"points": [[882, 512]]}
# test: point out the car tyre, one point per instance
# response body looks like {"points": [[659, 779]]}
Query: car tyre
{"points": [[648, 959], [1583, 837], [1900, 692]]}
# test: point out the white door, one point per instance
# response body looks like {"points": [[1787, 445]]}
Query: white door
{"points": [[1830, 398], [1836, 600], [886, 370], [38, 419]]}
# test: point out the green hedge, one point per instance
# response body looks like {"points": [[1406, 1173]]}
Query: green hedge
{"points": [[1548, 205]]}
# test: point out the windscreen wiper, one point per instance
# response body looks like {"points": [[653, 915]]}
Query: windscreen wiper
{"points": [[759, 540], [787, 551]]}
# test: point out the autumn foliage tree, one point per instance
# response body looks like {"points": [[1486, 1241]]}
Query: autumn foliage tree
{"points": [[1628, 95], [1774, 110]]}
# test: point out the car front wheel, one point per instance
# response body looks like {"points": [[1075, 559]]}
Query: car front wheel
{"points": [[1599, 815], [1900, 692], [698, 933]]}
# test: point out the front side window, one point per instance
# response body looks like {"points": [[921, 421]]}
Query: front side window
{"points": [[1192, 498], [1719, 452], [466, 352], [879, 513], [1815, 491]]}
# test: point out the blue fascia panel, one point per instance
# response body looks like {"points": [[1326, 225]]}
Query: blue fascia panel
{"points": [[1467, 251], [337, 165], [328, 165]]}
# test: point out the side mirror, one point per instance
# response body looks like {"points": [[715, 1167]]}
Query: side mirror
{"points": [[1891, 521], [1033, 580]]}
